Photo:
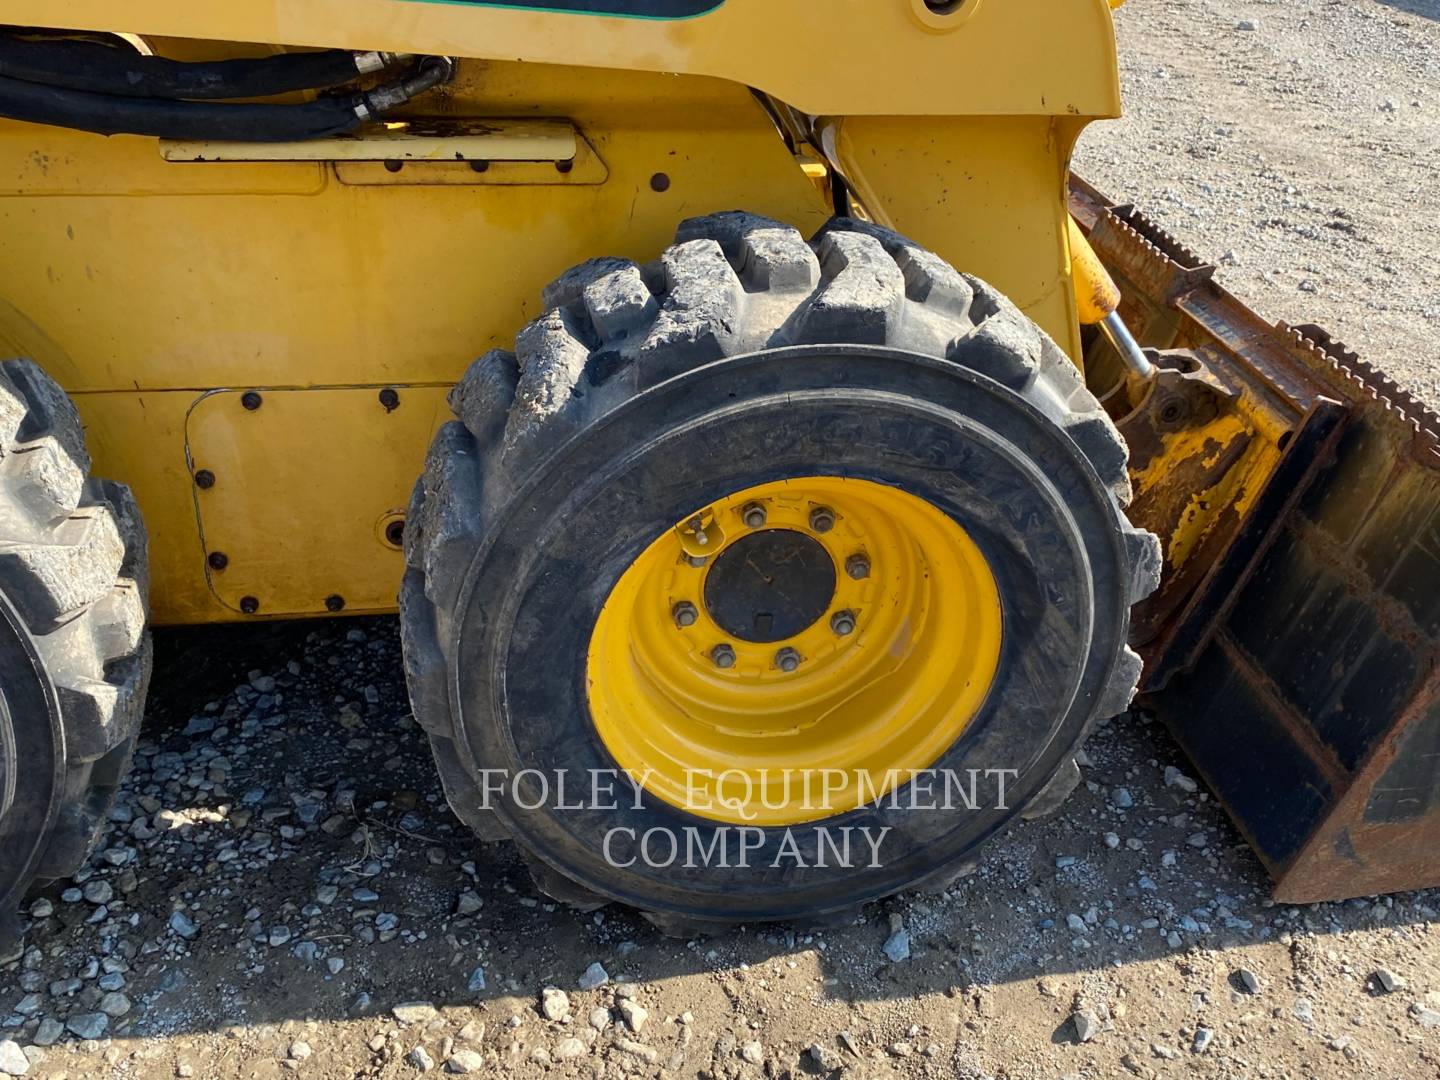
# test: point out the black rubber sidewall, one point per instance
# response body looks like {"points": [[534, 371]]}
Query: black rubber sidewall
{"points": [[976, 450], [32, 711]]}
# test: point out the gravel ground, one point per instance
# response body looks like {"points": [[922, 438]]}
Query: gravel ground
{"points": [[283, 891], [1296, 144]]}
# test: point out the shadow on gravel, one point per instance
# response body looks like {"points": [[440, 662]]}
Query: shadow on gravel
{"points": [[1427, 9], [282, 851]]}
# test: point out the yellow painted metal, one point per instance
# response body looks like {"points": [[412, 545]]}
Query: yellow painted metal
{"points": [[582, 169], [143, 283], [987, 193], [439, 140], [1204, 478], [1096, 295], [831, 57], [863, 711], [140, 438], [292, 554], [167, 275]]}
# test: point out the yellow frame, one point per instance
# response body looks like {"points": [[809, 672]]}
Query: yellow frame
{"points": [[145, 285]]}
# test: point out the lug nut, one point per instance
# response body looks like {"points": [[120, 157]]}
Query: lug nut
{"points": [[685, 614], [696, 561], [753, 515], [822, 519], [787, 660], [723, 655], [858, 567], [843, 622]]}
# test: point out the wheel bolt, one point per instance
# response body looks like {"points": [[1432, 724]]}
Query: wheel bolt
{"points": [[787, 660], [723, 655], [843, 622], [822, 519], [858, 567], [685, 614], [696, 561], [753, 515]]}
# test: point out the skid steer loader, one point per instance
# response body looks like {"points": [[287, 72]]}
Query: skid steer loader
{"points": [[822, 427]]}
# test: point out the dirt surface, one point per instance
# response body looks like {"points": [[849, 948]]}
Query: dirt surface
{"points": [[282, 880], [1295, 144]]}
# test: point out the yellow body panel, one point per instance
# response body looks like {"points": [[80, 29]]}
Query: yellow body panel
{"points": [[143, 284], [834, 57]]}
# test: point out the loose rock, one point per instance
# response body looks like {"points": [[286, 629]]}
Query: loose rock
{"points": [[633, 1014], [465, 1061], [824, 1057], [88, 1025], [554, 1003], [569, 1048], [594, 977], [1387, 981], [13, 1061], [414, 1012], [897, 946], [1087, 1025]]}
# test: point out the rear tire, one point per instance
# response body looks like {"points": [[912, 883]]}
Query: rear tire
{"points": [[740, 312], [74, 649]]}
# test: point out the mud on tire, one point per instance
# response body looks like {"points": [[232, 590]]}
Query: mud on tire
{"points": [[732, 286], [74, 652]]}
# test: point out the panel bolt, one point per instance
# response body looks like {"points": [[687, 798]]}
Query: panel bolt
{"points": [[249, 605], [389, 399], [843, 622], [204, 478], [822, 519], [395, 533], [251, 400], [334, 602], [787, 660], [858, 567], [685, 614], [723, 655], [218, 560], [753, 515]]}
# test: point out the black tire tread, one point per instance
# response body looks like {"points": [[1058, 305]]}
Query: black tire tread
{"points": [[73, 562], [731, 283]]}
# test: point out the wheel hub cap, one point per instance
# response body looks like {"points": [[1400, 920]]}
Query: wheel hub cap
{"points": [[770, 585]]}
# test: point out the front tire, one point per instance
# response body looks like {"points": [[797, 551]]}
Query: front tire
{"points": [[648, 398]]}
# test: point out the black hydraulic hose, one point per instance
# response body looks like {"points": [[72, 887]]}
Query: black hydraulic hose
{"points": [[107, 114], [104, 69]]}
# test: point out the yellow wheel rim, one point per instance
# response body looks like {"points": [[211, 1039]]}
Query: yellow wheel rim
{"points": [[832, 714]]}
